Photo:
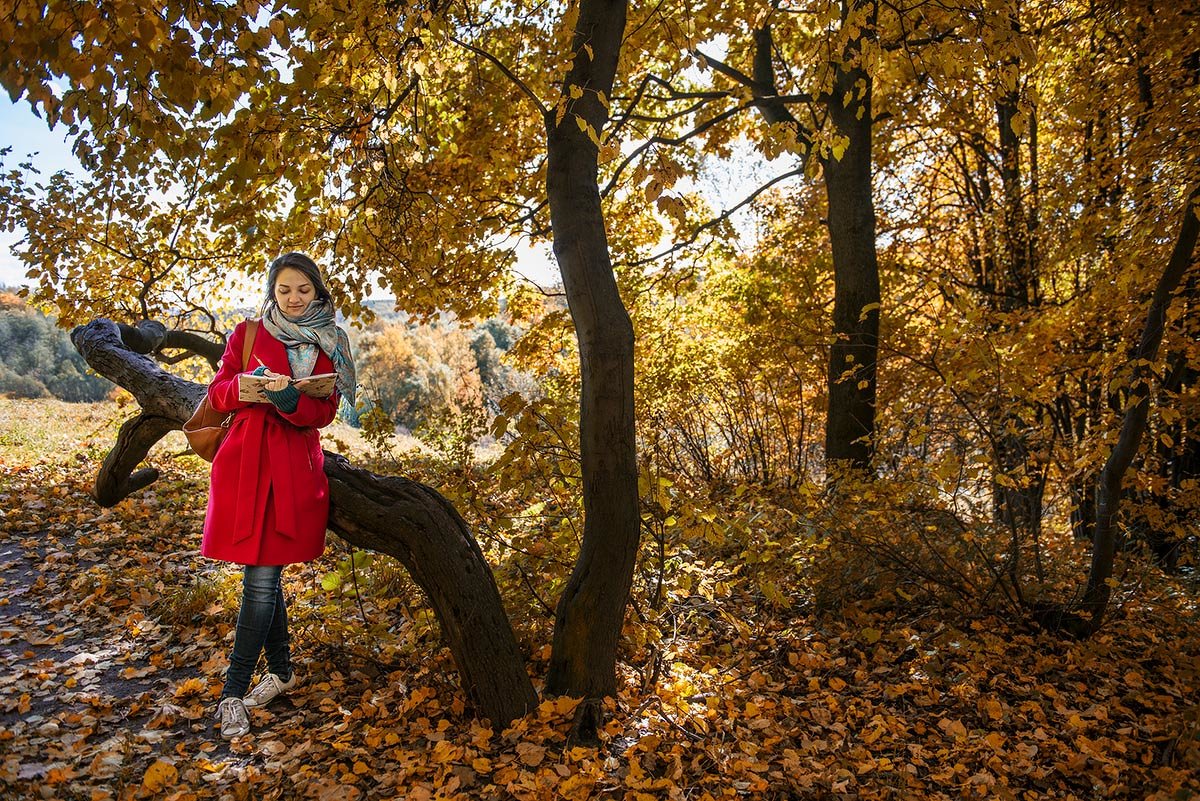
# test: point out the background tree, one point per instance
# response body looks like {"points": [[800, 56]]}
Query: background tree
{"points": [[1108, 489], [420, 374], [37, 359]]}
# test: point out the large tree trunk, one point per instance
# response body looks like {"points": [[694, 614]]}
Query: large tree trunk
{"points": [[1108, 490], [592, 607], [850, 426], [392, 515], [1019, 483], [850, 419]]}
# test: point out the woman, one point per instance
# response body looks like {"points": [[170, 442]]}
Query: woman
{"points": [[268, 503]]}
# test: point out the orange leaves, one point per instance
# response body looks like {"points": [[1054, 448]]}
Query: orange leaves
{"points": [[994, 709], [59, 775], [743, 702], [576, 787], [559, 707], [952, 728], [190, 687], [531, 754], [481, 736], [995, 740], [159, 776]]}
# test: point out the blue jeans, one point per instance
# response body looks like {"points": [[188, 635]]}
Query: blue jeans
{"points": [[261, 626]]}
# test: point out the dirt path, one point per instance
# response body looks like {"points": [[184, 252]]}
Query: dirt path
{"points": [[115, 634], [92, 683]]}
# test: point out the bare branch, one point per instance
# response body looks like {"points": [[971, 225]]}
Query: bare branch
{"points": [[772, 105], [671, 141], [506, 71], [728, 71], [725, 215]]}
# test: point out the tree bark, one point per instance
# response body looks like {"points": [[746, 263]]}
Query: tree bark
{"points": [[1108, 489], [151, 336], [850, 426], [851, 379], [1019, 483], [592, 608], [391, 515]]}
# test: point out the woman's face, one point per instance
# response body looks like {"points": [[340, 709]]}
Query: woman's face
{"points": [[293, 291]]}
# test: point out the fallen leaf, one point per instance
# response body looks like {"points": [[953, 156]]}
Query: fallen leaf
{"points": [[531, 753], [160, 774]]}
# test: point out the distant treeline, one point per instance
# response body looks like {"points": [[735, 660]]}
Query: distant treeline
{"points": [[426, 374], [37, 359], [417, 374]]}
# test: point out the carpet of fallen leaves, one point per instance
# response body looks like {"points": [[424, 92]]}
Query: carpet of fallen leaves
{"points": [[114, 634]]}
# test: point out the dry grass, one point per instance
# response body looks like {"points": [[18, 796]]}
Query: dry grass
{"points": [[56, 428], [86, 431]]}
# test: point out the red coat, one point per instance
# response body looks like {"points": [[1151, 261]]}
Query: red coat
{"points": [[268, 502]]}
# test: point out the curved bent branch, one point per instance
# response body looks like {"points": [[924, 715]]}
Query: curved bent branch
{"points": [[118, 478], [388, 514], [151, 336], [419, 527], [103, 346]]}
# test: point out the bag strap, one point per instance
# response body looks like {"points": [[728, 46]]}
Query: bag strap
{"points": [[248, 345]]}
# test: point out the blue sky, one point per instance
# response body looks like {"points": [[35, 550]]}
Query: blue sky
{"points": [[26, 134]]}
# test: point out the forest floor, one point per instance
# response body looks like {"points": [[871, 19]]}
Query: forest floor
{"points": [[114, 634]]}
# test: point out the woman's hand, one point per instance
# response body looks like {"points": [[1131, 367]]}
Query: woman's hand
{"points": [[278, 381]]}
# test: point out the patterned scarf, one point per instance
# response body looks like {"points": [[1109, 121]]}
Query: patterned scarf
{"points": [[305, 334]]}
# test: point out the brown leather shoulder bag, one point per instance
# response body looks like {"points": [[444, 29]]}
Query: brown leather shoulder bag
{"points": [[206, 428]]}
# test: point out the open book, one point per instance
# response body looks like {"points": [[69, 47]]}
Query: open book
{"points": [[250, 387]]}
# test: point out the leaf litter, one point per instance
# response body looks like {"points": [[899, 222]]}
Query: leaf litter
{"points": [[114, 634]]}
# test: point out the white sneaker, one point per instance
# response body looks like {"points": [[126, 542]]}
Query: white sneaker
{"points": [[235, 720], [270, 686]]}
